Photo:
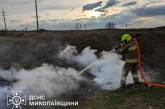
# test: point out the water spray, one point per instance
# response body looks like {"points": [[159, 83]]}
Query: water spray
{"points": [[93, 63]]}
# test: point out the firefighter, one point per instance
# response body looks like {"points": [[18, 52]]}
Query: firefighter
{"points": [[129, 51]]}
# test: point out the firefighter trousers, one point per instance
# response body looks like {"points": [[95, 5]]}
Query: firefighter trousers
{"points": [[129, 67]]}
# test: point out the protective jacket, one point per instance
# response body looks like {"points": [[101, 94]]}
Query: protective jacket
{"points": [[129, 51]]}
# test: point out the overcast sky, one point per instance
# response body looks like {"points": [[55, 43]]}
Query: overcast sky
{"points": [[64, 14]]}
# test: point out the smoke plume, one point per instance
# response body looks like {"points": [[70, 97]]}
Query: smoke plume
{"points": [[107, 71]]}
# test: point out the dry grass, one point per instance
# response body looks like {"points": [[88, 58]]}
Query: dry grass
{"points": [[31, 49]]}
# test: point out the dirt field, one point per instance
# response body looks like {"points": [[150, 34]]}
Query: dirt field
{"points": [[31, 49], [136, 97]]}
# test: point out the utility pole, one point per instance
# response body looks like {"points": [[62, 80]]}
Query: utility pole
{"points": [[126, 26], [85, 26], [36, 6], [80, 27], [77, 26], [4, 19]]}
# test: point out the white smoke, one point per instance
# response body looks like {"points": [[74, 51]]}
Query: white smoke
{"points": [[3, 96], [70, 54], [54, 81], [49, 80], [86, 56], [8, 74], [107, 71]]}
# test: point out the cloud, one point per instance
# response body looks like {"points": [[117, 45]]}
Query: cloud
{"points": [[122, 18], [92, 6], [2, 1], [50, 10], [130, 3], [17, 2], [147, 22], [100, 10], [59, 7], [14, 21], [23, 2], [108, 4], [150, 11]]}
